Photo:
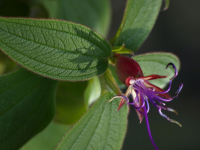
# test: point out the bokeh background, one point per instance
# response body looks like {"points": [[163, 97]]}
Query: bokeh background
{"points": [[176, 30]]}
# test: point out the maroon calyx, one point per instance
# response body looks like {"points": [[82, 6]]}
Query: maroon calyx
{"points": [[127, 67]]}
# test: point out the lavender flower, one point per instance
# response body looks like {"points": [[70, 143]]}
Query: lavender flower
{"points": [[144, 92]]}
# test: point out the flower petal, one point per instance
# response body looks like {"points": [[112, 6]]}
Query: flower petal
{"points": [[140, 112], [152, 77], [121, 103]]}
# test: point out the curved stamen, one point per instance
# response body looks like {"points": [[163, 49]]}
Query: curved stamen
{"points": [[171, 120], [161, 103], [179, 90], [119, 96], [148, 108], [148, 129], [167, 100], [136, 107], [158, 98], [167, 108], [176, 72], [170, 83]]}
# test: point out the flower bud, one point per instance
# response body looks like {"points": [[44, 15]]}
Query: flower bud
{"points": [[127, 67]]}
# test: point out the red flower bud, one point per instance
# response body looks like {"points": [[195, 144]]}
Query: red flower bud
{"points": [[127, 67]]}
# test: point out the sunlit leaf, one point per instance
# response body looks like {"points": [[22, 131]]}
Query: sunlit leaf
{"points": [[102, 127], [27, 105], [138, 20], [155, 63], [55, 49]]}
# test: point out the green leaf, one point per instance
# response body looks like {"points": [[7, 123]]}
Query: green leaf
{"points": [[138, 20], [102, 127], [92, 92], [121, 50], [94, 14], [56, 49], [70, 102], [155, 63], [27, 105], [48, 138]]}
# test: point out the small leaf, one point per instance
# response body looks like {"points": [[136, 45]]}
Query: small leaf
{"points": [[27, 105], [121, 50], [102, 127], [155, 63], [48, 138], [138, 20], [56, 49], [92, 92], [70, 102]]}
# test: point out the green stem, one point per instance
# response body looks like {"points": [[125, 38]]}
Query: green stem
{"points": [[103, 84], [107, 80], [111, 82]]}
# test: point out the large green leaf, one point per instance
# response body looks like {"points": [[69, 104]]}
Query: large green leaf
{"points": [[55, 49], [138, 20], [94, 14], [48, 138], [27, 105], [155, 63], [102, 127]]}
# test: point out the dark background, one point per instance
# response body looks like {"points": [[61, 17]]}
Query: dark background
{"points": [[176, 30]]}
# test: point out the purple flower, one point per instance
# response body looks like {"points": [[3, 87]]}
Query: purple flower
{"points": [[143, 92]]}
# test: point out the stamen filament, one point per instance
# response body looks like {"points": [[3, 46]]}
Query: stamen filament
{"points": [[165, 116], [176, 72], [148, 129]]}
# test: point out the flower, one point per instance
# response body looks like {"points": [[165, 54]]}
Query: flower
{"points": [[143, 92]]}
